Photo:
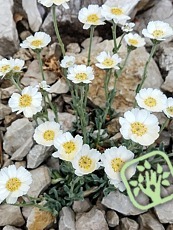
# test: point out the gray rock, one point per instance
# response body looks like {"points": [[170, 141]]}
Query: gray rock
{"points": [[10, 215], [112, 218], [66, 121], [165, 56], [67, 219], [17, 134], [167, 85], [37, 155], [170, 227], [53, 163], [41, 181], [164, 212], [7, 92], [20, 153], [8, 227], [4, 111], [114, 200], [128, 224], [8, 32], [92, 220], [149, 222], [59, 87], [82, 206]]}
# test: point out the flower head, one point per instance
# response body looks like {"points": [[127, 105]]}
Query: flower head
{"points": [[108, 61], [151, 99], [86, 161], [43, 85], [38, 41], [47, 132], [16, 65], [128, 27], [113, 160], [91, 16], [67, 146], [134, 40], [67, 61], [158, 30], [5, 67], [49, 3], [14, 183], [80, 73], [169, 108], [29, 102], [140, 126]]}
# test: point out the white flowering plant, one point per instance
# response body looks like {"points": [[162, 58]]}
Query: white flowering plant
{"points": [[90, 162]]}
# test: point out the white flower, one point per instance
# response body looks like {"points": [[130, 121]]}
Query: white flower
{"points": [[169, 107], [67, 146], [108, 61], [86, 161], [140, 126], [91, 16], [29, 102], [38, 41], [151, 99], [113, 160], [5, 67], [14, 183], [46, 133], [128, 27], [49, 3], [80, 73], [16, 65], [134, 40], [67, 61], [43, 85], [158, 30]]}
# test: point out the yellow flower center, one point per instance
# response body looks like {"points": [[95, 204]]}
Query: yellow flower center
{"points": [[117, 164], [13, 184], [92, 18], [69, 146], [4, 68], [16, 68], [138, 128], [117, 11], [158, 33], [36, 43], [170, 110], [25, 100], [85, 162], [81, 76], [150, 101], [108, 62], [133, 42], [49, 135]]}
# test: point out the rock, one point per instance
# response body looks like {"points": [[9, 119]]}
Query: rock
{"points": [[8, 227], [148, 221], [10, 215], [114, 200], [33, 14], [170, 227], [128, 224], [92, 220], [112, 218], [10, 118], [53, 163], [7, 92], [164, 212], [39, 219], [66, 121], [167, 85], [41, 181], [165, 56], [21, 152], [164, 138], [37, 155], [20, 163], [8, 32], [17, 134], [4, 111], [26, 211], [59, 87], [67, 219], [82, 205]]}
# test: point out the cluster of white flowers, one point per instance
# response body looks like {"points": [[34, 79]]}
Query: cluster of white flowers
{"points": [[49, 3]]}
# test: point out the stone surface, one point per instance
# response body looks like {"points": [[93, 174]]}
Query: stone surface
{"points": [[114, 200], [112, 218], [59, 87], [4, 111], [92, 220], [38, 219], [8, 32], [148, 221], [128, 224], [164, 212], [66, 121], [10, 215], [82, 206], [165, 56], [8, 227], [7, 92], [167, 85], [67, 219], [17, 134], [41, 181], [170, 227]]}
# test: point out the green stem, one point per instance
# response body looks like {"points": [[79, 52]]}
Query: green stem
{"points": [[61, 44], [40, 64], [114, 34], [32, 205], [164, 125], [15, 83], [90, 44]]}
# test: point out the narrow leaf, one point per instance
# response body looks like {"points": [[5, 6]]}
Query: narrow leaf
{"points": [[140, 168], [136, 191], [165, 183], [147, 164], [140, 178], [133, 183], [166, 175], [159, 168]]}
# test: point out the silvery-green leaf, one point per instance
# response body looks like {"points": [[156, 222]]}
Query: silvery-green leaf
{"points": [[166, 175], [147, 164], [140, 178], [159, 168], [133, 183], [140, 168], [136, 191], [165, 183]]}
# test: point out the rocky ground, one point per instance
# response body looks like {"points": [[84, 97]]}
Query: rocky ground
{"points": [[18, 20]]}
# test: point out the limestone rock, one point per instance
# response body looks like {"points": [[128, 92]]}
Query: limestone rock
{"points": [[67, 219], [170, 227], [8, 32], [7, 92], [39, 219], [112, 218], [164, 212], [17, 134], [148, 221], [165, 56], [82, 206], [59, 87], [41, 181], [92, 220], [167, 85], [128, 224], [10, 215], [66, 121], [4, 110], [8, 227]]}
